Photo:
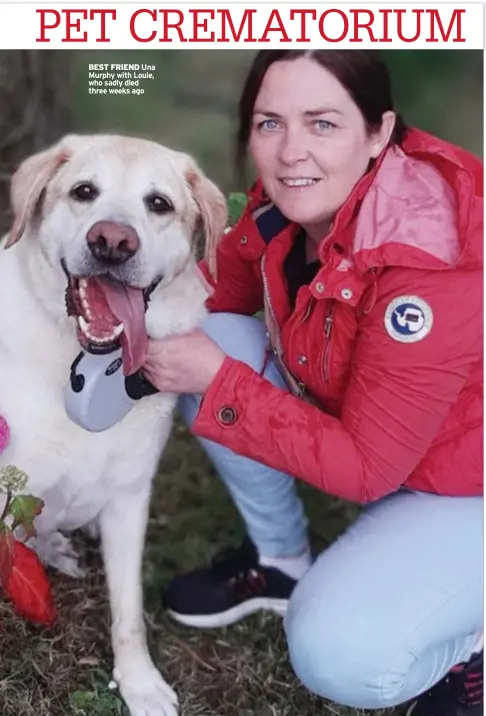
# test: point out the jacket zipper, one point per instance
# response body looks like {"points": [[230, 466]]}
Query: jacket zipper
{"points": [[328, 323], [326, 359], [307, 310], [300, 387], [266, 293]]}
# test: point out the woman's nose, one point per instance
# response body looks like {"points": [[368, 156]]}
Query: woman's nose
{"points": [[293, 147]]}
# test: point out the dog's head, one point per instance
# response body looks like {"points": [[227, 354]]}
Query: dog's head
{"points": [[117, 217]]}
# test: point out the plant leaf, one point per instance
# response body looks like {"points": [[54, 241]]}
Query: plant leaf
{"points": [[28, 586], [24, 509], [236, 206]]}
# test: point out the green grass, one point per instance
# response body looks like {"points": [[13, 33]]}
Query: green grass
{"points": [[242, 670]]}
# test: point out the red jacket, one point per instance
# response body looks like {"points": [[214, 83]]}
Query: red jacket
{"points": [[387, 338]]}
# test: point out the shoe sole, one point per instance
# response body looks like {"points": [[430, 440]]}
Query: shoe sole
{"points": [[411, 708], [235, 614]]}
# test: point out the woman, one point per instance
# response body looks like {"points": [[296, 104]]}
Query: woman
{"points": [[362, 240]]}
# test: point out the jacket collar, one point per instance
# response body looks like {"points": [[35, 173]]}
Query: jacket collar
{"points": [[414, 207]]}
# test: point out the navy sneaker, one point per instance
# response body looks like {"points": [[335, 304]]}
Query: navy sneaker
{"points": [[234, 586], [460, 693]]}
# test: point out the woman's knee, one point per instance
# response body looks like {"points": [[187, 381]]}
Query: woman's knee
{"points": [[336, 654], [241, 337], [357, 632]]}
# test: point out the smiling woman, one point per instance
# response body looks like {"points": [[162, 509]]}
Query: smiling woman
{"points": [[362, 242], [310, 156], [322, 136]]}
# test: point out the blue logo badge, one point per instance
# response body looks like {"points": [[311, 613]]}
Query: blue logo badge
{"points": [[408, 319]]}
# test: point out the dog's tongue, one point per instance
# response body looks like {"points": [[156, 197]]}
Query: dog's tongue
{"points": [[127, 305]]}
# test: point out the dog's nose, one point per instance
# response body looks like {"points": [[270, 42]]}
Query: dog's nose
{"points": [[112, 243]]}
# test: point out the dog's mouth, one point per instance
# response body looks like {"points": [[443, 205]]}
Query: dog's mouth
{"points": [[109, 314]]}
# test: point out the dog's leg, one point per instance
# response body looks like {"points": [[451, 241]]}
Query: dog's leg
{"points": [[123, 524]]}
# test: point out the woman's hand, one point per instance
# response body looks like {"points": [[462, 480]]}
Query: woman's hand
{"points": [[183, 364]]}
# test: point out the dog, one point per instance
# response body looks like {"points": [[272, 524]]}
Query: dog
{"points": [[100, 254]]}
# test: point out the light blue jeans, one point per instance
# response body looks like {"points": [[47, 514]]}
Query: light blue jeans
{"points": [[392, 604]]}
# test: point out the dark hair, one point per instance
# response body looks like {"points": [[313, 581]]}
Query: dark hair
{"points": [[361, 72]]}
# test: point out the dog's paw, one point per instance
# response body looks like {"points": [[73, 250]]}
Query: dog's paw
{"points": [[146, 693], [57, 551]]}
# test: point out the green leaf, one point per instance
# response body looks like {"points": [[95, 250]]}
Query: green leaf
{"points": [[95, 703], [24, 509], [82, 702], [236, 205]]}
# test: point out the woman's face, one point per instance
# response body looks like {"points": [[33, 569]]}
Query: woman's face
{"points": [[309, 142]]}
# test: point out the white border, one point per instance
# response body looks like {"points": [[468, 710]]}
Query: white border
{"points": [[20, 24]]}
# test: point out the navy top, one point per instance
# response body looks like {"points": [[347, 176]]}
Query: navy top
{"points": [[298, 272]]}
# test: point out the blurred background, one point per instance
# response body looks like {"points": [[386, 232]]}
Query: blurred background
{"points": [[191, 104]]}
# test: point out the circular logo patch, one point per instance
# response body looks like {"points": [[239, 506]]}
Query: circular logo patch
{"points": [[408, 319]]}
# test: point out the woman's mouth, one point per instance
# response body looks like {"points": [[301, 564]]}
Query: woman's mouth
{"points": [[299, 181]]}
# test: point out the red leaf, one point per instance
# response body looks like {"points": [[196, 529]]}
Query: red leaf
{"points": [[6, 554], [28, 587]]}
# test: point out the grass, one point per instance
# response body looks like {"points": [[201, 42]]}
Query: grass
{"points": [[242, 670]]}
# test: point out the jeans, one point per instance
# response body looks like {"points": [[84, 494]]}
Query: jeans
{"points": [[392, 604]]}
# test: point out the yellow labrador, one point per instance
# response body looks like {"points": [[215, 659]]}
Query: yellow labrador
{"points": [[106, 257]]}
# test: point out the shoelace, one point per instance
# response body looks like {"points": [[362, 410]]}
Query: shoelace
{"points": [[470, 683], [234, 561], [238, 568], [462, 686], [248, 584]]}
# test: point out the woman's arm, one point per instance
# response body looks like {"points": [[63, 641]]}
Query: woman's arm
{"points": [[398, 396], [239, 287]]}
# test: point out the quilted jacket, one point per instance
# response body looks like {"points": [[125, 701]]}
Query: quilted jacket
{"points": [[386, 341]]}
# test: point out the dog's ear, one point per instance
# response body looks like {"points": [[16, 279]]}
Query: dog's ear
{"points": [[28, 183], [213, 209]]}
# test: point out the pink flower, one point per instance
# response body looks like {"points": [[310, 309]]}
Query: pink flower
{"points": [[4, 433]]}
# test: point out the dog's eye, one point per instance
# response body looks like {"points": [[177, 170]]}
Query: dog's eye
{"points": [[159, 204], [84, 192]]}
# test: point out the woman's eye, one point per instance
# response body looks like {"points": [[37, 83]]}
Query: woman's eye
{"points": [[268, 124], [322, 125]]}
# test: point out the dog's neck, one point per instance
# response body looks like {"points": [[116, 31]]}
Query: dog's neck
{"points": [[189, 290]]}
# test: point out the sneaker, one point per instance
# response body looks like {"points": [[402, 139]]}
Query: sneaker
{"points": [[460, 693], [234, 586]]}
